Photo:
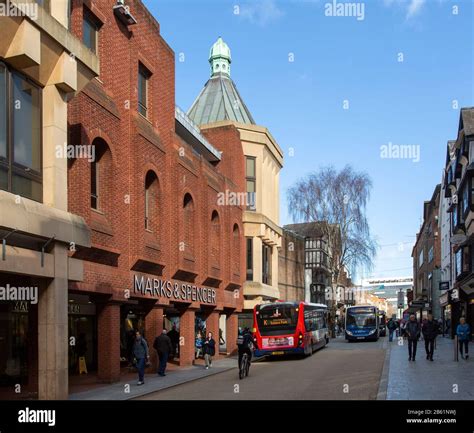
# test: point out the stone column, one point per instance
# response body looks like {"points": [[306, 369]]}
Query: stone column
{"points": [[108, 323], [53, 378], [186, 337], [231, 331], [153, 328]]}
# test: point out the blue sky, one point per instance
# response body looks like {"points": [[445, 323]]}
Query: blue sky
{"points": [[337, 59]]}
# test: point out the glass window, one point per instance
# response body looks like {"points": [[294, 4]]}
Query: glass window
{"points": [[250, 173], [266, 264], [249, 259], [90, 32], [143, 76], [20, 147], [95, 185], [26, 124]]}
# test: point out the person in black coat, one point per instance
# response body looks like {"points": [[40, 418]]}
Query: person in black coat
{"points": [[412, 331], [163, 347], [174, 337], [430, 331], [209, 349]]}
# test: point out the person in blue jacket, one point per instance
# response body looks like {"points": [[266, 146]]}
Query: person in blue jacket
{"points": [[463, 331]]}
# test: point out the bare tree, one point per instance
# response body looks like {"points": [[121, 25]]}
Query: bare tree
{"points": [[340, 200]]}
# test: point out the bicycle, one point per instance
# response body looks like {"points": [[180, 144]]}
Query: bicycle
{"points": [[244, 366]]}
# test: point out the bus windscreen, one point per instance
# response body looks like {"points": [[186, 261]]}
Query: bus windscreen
{"points": [[361, 317], [278, 319]]}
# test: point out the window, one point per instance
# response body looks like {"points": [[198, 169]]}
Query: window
{"points": [[189, 228], [266, 264], [90, 31], [249, 259], [151, 202], [251, 179], [100, 173], [20, 135], [462, 261], [236, 250], [420, 259], [430, 255], [143, 77], [95, 184], [215, 240]]}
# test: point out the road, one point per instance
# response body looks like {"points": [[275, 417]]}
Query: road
{"points": [[341, 371]]}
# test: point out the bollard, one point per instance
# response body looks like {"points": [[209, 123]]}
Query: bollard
{"points": [[456, 348]]}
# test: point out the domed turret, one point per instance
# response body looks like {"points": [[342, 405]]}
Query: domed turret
{"points": [[219, 58], [219, 99]]}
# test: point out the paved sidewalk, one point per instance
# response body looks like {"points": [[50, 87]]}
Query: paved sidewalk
{"points": [[153, 382], [426, 380]]}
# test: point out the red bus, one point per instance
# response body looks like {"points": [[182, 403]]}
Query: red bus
{"points": [[290, 327]]}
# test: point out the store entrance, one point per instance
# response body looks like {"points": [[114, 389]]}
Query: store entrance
{"points": [[132, 319], [171, 323]]}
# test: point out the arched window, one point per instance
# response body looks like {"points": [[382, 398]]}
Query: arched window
{"points": [[100, 167], [188, 215], [235, 254], [215, 239], [151, 202]]}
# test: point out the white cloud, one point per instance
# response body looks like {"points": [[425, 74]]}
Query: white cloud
{"points": [[414, 7], [261, 12]]}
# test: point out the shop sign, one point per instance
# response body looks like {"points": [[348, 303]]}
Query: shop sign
{"points": [[444, 285], [74, 309], [443, 299], [178, 291], [20, 307]]}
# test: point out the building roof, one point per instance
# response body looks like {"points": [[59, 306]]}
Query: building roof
{"points": [[189, 132], [219, 99], [467, 121], [308, 230]]}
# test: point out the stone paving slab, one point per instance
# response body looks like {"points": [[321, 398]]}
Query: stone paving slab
{"points": [[154, 383], [426, 380]]}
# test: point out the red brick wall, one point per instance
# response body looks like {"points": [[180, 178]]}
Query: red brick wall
{"points": [[106, 110]]}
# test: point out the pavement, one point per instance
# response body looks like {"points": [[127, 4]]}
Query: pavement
{"points": [[127, 389], [442, 379]]}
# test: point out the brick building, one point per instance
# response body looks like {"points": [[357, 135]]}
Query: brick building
{"points": [[224, 118], [167, 245], [426, 256], [291, 266]]}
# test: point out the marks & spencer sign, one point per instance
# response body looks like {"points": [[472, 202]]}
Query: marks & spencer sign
{"points": [[178, 291]]}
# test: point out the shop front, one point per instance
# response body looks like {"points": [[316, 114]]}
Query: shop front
{"points": [[82, 325]]}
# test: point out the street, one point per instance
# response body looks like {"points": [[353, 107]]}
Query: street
{"points": [[341, 371]]}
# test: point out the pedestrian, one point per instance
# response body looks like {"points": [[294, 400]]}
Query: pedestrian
{"points": [[174, 337], [163, 347], [392, 326], [221, 338], [198, 344], [403, 326], [141, 355], [209, 348], [429, 330], [463, 331], [448, 326], [412, 331]]}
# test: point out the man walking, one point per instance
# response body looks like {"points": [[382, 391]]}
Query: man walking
{"points": [[163, 347], [412, 331], [392, 326], [209, 349], [430, 332], [463, 331], [141, 354]]}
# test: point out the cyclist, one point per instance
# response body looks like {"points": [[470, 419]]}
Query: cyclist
{"points": [[245, 345]]}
